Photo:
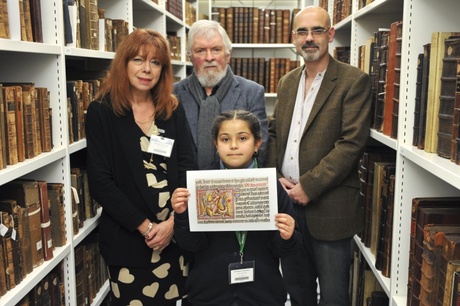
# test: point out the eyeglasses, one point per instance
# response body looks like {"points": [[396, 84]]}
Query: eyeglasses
{"points": [[314, 33]]}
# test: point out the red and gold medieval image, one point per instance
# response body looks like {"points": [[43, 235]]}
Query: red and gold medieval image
{"points": [[215, 204]]}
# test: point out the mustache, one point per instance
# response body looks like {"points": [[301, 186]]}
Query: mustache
{"points": [[310, 45], [210, 64]]}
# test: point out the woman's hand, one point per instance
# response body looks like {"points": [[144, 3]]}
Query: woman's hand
{"points": [[179, 200], [161, 234], [285, 224]]}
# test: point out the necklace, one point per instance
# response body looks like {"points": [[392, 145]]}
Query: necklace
{"points": [[149, 119]]}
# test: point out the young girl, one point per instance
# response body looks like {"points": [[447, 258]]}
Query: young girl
{"points": [[237, 138]]}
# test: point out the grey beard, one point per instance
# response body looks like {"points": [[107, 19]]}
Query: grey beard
{"points": [[211, 80]]}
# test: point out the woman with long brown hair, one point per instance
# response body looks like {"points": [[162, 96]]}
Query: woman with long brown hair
{"points": [[138, 147]]}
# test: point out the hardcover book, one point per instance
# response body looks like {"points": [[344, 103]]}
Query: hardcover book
{"points": [[18, 110], [449, 84], [47, 239], [4, 25], [389, 89], [434, 88], [3, 130], [397, 78], [36, 18], [28, 119], [57, 217], [10, 115], [417, 104], [379, 68], [424, 96], [46, 133]]}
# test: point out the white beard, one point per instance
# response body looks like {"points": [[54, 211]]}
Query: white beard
{"points": [[211, 79]]}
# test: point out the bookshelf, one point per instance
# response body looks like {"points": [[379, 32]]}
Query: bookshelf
{"points": [[50, 64], [258, 50], [418, 173]]}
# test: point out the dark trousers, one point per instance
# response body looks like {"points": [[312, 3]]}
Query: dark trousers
{"points": [[325, 261]]}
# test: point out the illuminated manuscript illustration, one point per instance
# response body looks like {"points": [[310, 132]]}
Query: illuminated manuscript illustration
{"points": [[232, 199], [215, 203]]}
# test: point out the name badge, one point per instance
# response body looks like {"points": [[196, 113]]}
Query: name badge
{"points": [[241, 272], [160, 145]]}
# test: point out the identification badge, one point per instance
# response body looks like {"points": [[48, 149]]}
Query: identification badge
{"points": [[241, 272], [160, 145]]}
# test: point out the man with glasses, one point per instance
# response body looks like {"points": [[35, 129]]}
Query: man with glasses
{"points": [[318, 133], [212, 88]]}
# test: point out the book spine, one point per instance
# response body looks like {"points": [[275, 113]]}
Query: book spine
{"points": [[45, 223], [35, 234]]}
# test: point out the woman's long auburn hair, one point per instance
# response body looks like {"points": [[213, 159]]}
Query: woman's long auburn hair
{"points": [[117, 85]]}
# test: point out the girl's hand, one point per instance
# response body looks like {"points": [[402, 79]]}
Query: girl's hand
{"points": [[285, 224], [179, 200]]}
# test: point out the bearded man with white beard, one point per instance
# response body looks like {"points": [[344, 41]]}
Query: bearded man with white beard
{"points": [[212, 88]]}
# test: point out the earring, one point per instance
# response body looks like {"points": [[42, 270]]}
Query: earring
{"points": [[256, 153]]}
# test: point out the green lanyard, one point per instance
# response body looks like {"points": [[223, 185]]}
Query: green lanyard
{"points": [[241, 236]]}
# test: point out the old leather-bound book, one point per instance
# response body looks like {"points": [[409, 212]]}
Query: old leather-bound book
{"points": [[449, 83], [434, 239], [47, 239], [389, 89], [416, 248], [57, 218], [450, 251]]}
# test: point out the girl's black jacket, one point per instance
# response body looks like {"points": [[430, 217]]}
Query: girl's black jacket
{"points": [[208, 281]]}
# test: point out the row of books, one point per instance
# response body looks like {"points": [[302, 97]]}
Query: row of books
{"points": [[342, 54], [341, 10], [83, 205], [435, 231], [90, 270], [190, 13], [434, 251], [86, 26], [377, 181], [25, 122], [33, 223], [80, 93], [32, 217], [49, 291], [255, 25], [175, 8], [30, 19], [174, 45], [380, 57], [363, 3], [90, 273], [365, 290], [437, 100], [266, 72]]}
